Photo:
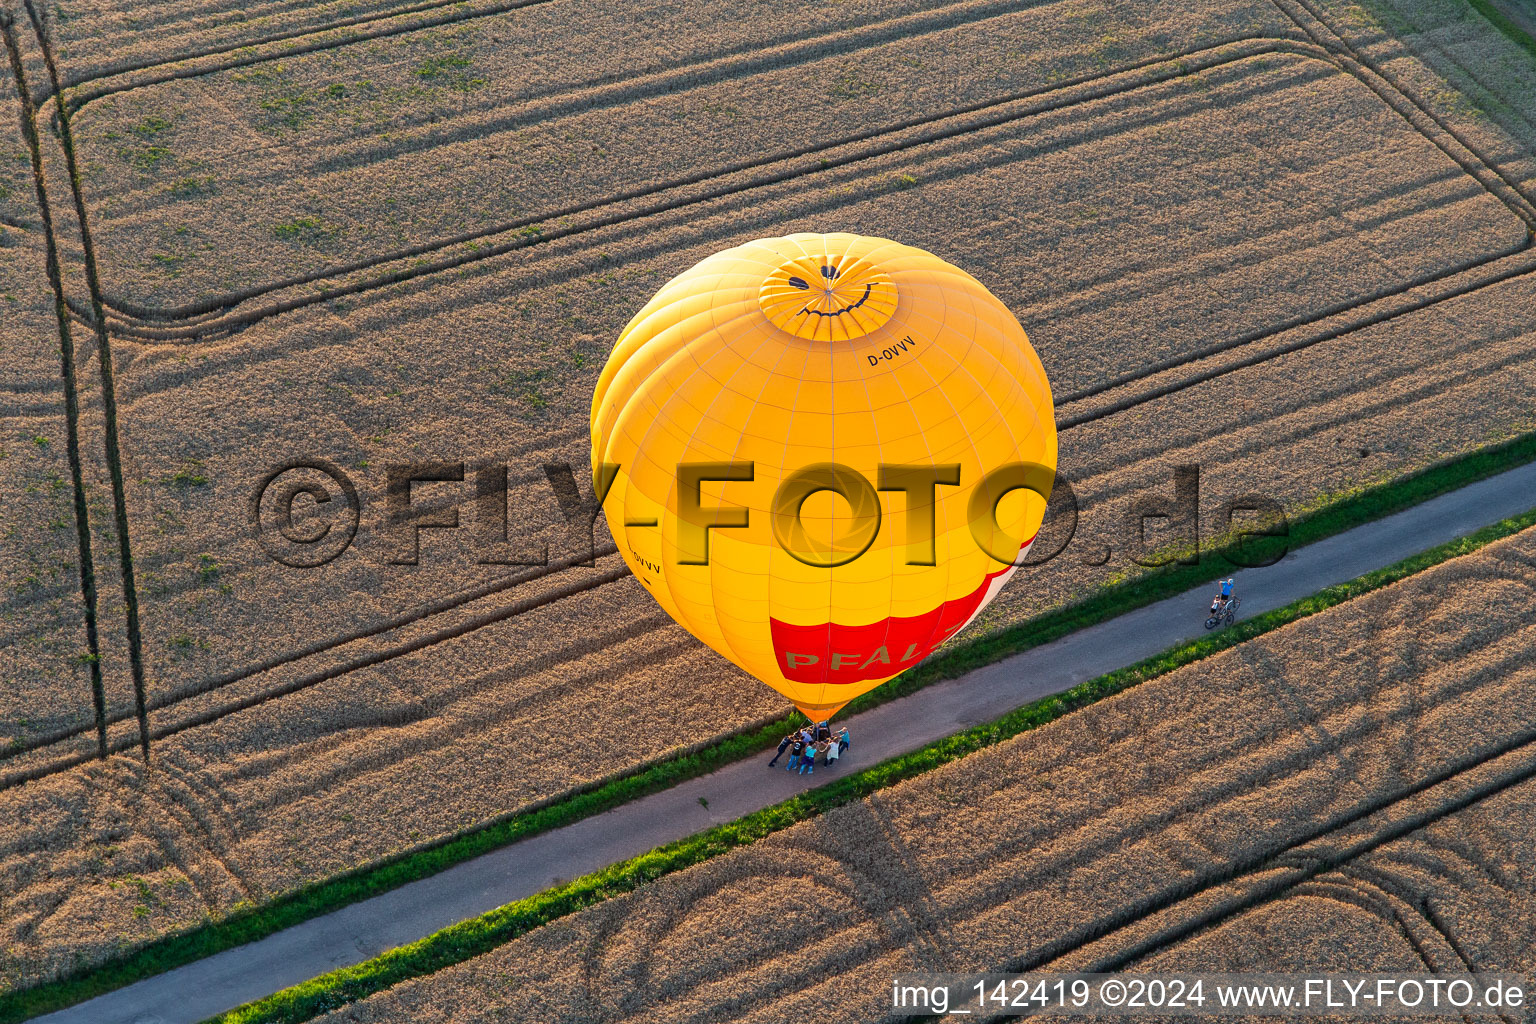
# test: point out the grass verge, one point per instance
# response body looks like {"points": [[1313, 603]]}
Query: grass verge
{"points": [[478, 935], [253, 923], [1517, 35]]}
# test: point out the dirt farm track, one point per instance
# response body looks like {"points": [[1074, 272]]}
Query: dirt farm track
{"points": [[1288, 241]]}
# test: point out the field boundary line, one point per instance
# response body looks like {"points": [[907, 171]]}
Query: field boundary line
{"points": [[1355, 509], [108, 398], [460, 942], [87, 570]]}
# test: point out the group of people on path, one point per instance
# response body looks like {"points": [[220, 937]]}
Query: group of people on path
{"points": [[809, 743]]}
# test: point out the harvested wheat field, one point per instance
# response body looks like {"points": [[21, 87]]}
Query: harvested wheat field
{"points": [[373, 238], [1117, 820]]}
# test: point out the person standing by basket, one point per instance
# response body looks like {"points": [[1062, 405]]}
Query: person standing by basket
{"points": [[784, 743], [796, 750]]}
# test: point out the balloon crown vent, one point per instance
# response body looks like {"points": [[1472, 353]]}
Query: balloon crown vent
{"points": [[828, 296]]}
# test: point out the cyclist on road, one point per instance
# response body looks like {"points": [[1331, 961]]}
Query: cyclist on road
{"points": [[1224, 597]]}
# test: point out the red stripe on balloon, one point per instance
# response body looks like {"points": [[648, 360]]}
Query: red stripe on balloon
{"points": [[838, 654]]}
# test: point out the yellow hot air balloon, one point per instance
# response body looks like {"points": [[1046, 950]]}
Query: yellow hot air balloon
{"points": [[823, 455]]}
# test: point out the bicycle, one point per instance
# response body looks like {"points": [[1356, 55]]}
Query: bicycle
{"points": [[1226, 614]]}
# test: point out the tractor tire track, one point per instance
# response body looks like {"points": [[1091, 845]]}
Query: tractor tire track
{"points": [[220, 304], [129, 67], [324, 675], [87, 571], [1467, 290], [182, 842], [448, 733], [108, 385], [424, 611], [84, 96], [1469, 74], [1343, 45], [427, 610], [215, 316], [1278, 861], [1302, 320], [1253, 336], [611, 92], [1354, 894], [1308, 341], [1290, 855], [409, 617], [1395, 97], [1419, 905], [454, 601]]}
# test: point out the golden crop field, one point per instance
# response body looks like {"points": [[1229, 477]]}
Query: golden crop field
{"points": [[1261, 793], [1289, 242]]}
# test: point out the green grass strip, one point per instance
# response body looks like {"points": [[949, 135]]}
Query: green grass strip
{"points": [[478, 935], [249, 924], [1517, 35]]}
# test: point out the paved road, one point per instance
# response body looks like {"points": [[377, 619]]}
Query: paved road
{"points": [[365, 929]]}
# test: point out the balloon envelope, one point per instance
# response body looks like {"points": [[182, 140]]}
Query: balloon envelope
{"points": [[824, 448]]}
